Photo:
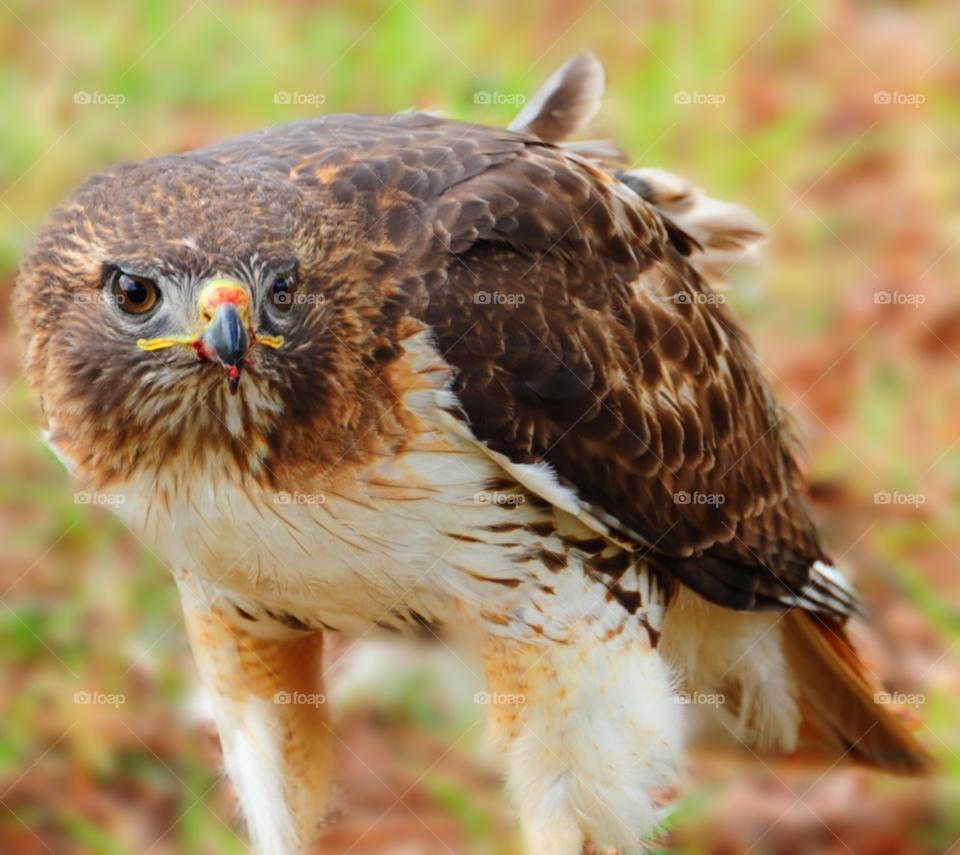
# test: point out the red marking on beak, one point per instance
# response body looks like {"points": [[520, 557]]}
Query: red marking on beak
{"points": [[227, 336]]}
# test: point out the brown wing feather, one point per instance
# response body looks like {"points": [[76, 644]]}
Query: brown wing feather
{"points": [[630, 395]]}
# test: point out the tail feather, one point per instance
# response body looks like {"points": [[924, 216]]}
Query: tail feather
{"points": [[566, 102], [728, 236], [724, 235], [837, 699], [605, 152]]}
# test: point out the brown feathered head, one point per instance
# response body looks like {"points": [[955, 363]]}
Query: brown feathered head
{"points": [[158, 291]]}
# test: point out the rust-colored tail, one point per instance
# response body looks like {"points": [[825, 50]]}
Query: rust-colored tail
{"points": [[837, 699]]}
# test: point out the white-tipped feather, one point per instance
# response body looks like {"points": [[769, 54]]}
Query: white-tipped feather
{"points": [[729, 236], [831, 585]]}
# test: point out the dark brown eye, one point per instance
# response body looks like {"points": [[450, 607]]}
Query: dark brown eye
{"points": [[134, 294], [282, 291]]}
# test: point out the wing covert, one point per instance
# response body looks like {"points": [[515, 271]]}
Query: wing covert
{"points": [[584, 340]]}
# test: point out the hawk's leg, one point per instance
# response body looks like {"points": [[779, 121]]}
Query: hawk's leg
{"points": [[587, 728], [264, 681]]}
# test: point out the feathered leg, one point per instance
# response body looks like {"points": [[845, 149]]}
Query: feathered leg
{"points": [[264, 681], [587, 729]]}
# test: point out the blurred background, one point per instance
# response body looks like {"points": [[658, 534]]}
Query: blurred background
{"points": [[839, 126]]}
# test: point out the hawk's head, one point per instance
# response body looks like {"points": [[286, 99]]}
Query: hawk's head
{"points": [[185, 304]]}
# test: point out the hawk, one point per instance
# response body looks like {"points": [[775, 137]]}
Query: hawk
{"points": [[418, 377]]}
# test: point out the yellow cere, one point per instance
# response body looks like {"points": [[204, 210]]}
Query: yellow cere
{"points": [[219, 291]]}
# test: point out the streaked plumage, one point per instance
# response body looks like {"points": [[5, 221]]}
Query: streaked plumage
{"points": [[599, 379]]}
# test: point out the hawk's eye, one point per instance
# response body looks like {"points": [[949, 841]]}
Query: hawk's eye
{"points": [[134, 294], [282, 291]]}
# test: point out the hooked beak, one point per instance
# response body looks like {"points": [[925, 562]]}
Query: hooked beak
{"points": [[227, 335], [227, 340]]}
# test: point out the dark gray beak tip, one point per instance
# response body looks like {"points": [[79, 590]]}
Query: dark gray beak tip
{"points": [[227, 337]]}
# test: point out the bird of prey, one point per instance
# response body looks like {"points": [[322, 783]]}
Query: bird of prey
{"points": [[411, 376]]}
